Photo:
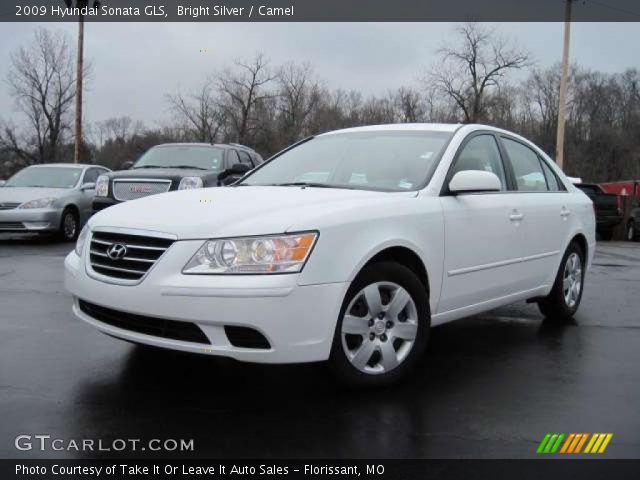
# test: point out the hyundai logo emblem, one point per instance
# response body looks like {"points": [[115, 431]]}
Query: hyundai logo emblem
{"points": [[116, 251]]}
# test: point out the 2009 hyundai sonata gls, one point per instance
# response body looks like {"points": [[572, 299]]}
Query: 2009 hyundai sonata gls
{"points": [[346, 247]]}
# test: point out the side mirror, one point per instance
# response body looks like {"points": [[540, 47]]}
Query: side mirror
{"points": [[239, 169], [126, 165], [88, 186], [2, 182], [232, 174], [474, 181]]}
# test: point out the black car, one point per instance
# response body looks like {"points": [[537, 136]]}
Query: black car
{"points": [[607, 206], [176, 166]]}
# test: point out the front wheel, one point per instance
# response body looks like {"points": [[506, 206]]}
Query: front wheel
{"points": [[564, 299], [383, 326], [69, 226]]}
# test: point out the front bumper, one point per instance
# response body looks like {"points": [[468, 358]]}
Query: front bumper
{"points": [[30, 220], [100, 203], [298, 321]]}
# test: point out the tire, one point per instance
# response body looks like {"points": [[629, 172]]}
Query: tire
{"points": [[69, 226], [564, 299], [373, 346], [630, 232]]}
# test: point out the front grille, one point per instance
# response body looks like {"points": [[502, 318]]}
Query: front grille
{"points": [[157, 327], [140, 254], [245, 337], [12, 226], [124, 190], [8, 206]]}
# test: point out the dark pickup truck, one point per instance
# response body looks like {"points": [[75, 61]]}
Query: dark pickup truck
{"points": [[175, 166], [608, 208]]}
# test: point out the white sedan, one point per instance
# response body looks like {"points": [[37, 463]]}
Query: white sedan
{"points": [[346, 247]]}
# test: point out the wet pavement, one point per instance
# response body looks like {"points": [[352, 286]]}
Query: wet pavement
{"points": [[490, 386]]}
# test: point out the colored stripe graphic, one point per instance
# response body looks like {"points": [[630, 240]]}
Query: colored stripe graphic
{"points": [[598, 442], [555, 447], [543, 443], [581, 443], [550, 443], [567, 443], [574, 442]]}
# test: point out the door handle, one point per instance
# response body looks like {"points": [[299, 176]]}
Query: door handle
{"points": [[516, 216], [565, 212]]}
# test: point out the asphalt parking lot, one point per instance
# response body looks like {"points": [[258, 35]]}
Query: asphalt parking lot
{"points": [[490, 386]]}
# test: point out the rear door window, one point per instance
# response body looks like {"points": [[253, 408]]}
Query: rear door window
{"points": [[526, 167]]}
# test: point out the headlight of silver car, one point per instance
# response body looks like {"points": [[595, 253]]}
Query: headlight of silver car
{"points": [[187, 183], [102, 186], [253, 255], [39, 203], [82, 237]]}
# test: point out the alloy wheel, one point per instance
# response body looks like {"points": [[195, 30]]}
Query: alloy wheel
{"points": [[379, 327], [69, 225], [572, 280]]}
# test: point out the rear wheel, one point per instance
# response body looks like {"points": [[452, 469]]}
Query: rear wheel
{"points": [[565, 296], [631, 231], [383, 326], [69, 225]]}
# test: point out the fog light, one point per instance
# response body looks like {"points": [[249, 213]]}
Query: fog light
{"points": [[36, 225]]}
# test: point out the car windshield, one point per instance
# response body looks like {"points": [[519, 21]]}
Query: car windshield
{"points": [[387, 161], [46, 177], [198, 157]]}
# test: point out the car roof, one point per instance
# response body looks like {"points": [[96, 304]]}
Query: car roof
{"points": [[78, 165], [395, 127], [202, 144]]}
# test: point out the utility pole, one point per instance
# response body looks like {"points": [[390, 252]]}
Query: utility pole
{"points": [[562, 100], [79, 69]]}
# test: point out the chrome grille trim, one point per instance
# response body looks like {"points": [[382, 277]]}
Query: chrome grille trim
{"points": [[123, 188], [8, 205], [143, 250], [12, 226]]}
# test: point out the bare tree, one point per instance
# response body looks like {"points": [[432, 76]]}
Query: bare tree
{"points": [[200, 112], [466, 72], [42, 83], [242, 88], [409, 104], [299, 95]]}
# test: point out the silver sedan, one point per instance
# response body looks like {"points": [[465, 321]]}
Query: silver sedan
{"points": [[53, 198]]}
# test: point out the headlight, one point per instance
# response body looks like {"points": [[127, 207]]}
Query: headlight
{"points": [[253, 255], [82, 237], [187, 183], [102, 186], [40, 203]]}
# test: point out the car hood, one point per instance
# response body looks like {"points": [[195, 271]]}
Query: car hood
{"points": [[24, 194], [236, 211], [161, 173]]}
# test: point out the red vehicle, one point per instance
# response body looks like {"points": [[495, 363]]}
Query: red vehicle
{"points": [[628, 188]]}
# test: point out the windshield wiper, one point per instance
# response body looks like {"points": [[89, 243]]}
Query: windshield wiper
{"points": [[191, 167], [303, 184], [148, 166]]}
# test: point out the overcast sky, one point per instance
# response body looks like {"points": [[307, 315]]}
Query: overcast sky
{"points": [[136, 64]]}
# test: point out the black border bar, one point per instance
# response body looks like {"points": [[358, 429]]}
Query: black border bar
{"points": [[532, 469], [324, 11]]}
